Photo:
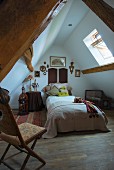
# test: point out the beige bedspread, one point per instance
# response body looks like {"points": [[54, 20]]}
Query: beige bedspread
{"points": [[66, 116]]}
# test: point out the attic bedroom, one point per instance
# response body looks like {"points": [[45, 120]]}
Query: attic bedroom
{"points": [[60, 48]]}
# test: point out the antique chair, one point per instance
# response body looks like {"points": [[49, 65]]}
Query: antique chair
{"points": [[17, 135], [99, 98]]}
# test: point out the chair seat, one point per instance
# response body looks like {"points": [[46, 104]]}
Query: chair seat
{"points": [[28, 132]]}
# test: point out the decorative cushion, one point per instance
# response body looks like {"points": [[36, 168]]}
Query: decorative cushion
{"points": [[59, 85], [53, 92], [63, 89], [63, 94], [46, 88]]}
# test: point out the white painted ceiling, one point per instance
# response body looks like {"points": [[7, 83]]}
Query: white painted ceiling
{"points": [[77, 11]]}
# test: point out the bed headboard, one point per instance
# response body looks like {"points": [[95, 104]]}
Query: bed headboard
{"points": [[55, 75], [52, 75]]}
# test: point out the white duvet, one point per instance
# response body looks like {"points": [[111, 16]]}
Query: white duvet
{"points": [[64, 116]]}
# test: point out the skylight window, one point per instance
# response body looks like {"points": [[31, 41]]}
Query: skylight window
{"points": [[98, 48]]}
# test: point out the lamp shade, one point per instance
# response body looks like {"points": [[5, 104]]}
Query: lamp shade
{"points": [[30, 77]]}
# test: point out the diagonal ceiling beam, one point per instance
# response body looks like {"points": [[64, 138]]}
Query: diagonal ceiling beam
{"points": [[28, 54], [103, 11], [21, 23], [99, 69]]}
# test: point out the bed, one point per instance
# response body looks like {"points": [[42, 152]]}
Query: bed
{"points": [[65, 115]]}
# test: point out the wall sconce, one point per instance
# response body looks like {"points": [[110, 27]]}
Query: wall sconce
{"points": [[71, 67]]}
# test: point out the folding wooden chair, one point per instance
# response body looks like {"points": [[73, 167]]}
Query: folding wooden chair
{"points": [[18, 135]]}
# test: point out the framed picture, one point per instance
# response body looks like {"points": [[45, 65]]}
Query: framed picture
{"points": [[37, 74], [57, 61], [77, 73]]}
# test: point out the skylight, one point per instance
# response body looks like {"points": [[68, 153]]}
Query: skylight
{"points": [[98, 48], [58, 9]]}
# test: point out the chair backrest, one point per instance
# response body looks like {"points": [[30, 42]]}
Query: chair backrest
{"points": [[8, 124], [89, 94]]}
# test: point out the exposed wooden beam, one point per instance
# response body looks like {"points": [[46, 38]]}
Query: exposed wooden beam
{"points": [[28, 54], [99, 69], [103, 11], [21, 23]]}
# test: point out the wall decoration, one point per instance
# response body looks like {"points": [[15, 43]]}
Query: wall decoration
{"points": [[44, 68], [36, 73], [77, 73], [57, 61], [71, 67]]}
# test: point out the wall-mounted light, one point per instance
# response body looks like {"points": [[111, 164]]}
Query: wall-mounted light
{"points": [[71, 67]]}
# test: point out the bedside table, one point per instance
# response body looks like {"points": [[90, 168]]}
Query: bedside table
{"points": [[35, 102]]}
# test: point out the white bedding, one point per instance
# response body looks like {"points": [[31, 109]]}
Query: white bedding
{"points": [[64, 116]]}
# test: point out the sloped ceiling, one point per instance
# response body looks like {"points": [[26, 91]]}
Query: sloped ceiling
{"points": [[21, 23], [58, 33]]}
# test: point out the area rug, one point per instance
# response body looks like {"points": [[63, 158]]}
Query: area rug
{"points": [[32, 117], [36, 118]]}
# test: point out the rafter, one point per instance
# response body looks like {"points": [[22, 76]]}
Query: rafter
{"points": [[22, 22], [103, 11], [28, 55], [99, 69]]}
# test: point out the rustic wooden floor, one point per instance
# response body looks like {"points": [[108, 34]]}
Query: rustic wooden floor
{"points": [[72, 151]]}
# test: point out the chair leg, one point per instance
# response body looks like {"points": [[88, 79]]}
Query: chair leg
{"points": [[4, 154], [28, 156], [31, 153]]}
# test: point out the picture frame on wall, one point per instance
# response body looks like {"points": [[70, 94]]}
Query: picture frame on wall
{"points": [[36, 73], [57, 61], [77, 73]]}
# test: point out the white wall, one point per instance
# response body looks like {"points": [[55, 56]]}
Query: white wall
{"points": [[79, 84], [77, 48]]}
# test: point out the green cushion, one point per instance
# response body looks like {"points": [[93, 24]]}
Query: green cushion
{"points": [[63, 94]]}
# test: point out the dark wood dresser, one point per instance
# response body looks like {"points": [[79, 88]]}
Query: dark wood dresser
{"points": [[35, 102]]}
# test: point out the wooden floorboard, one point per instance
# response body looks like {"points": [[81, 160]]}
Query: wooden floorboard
{"points": [[72, 151]]}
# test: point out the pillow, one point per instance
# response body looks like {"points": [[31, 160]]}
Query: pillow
{"points": [[46, 88], [59, 85], [63, 88], [63, 94], [53, 92]]}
